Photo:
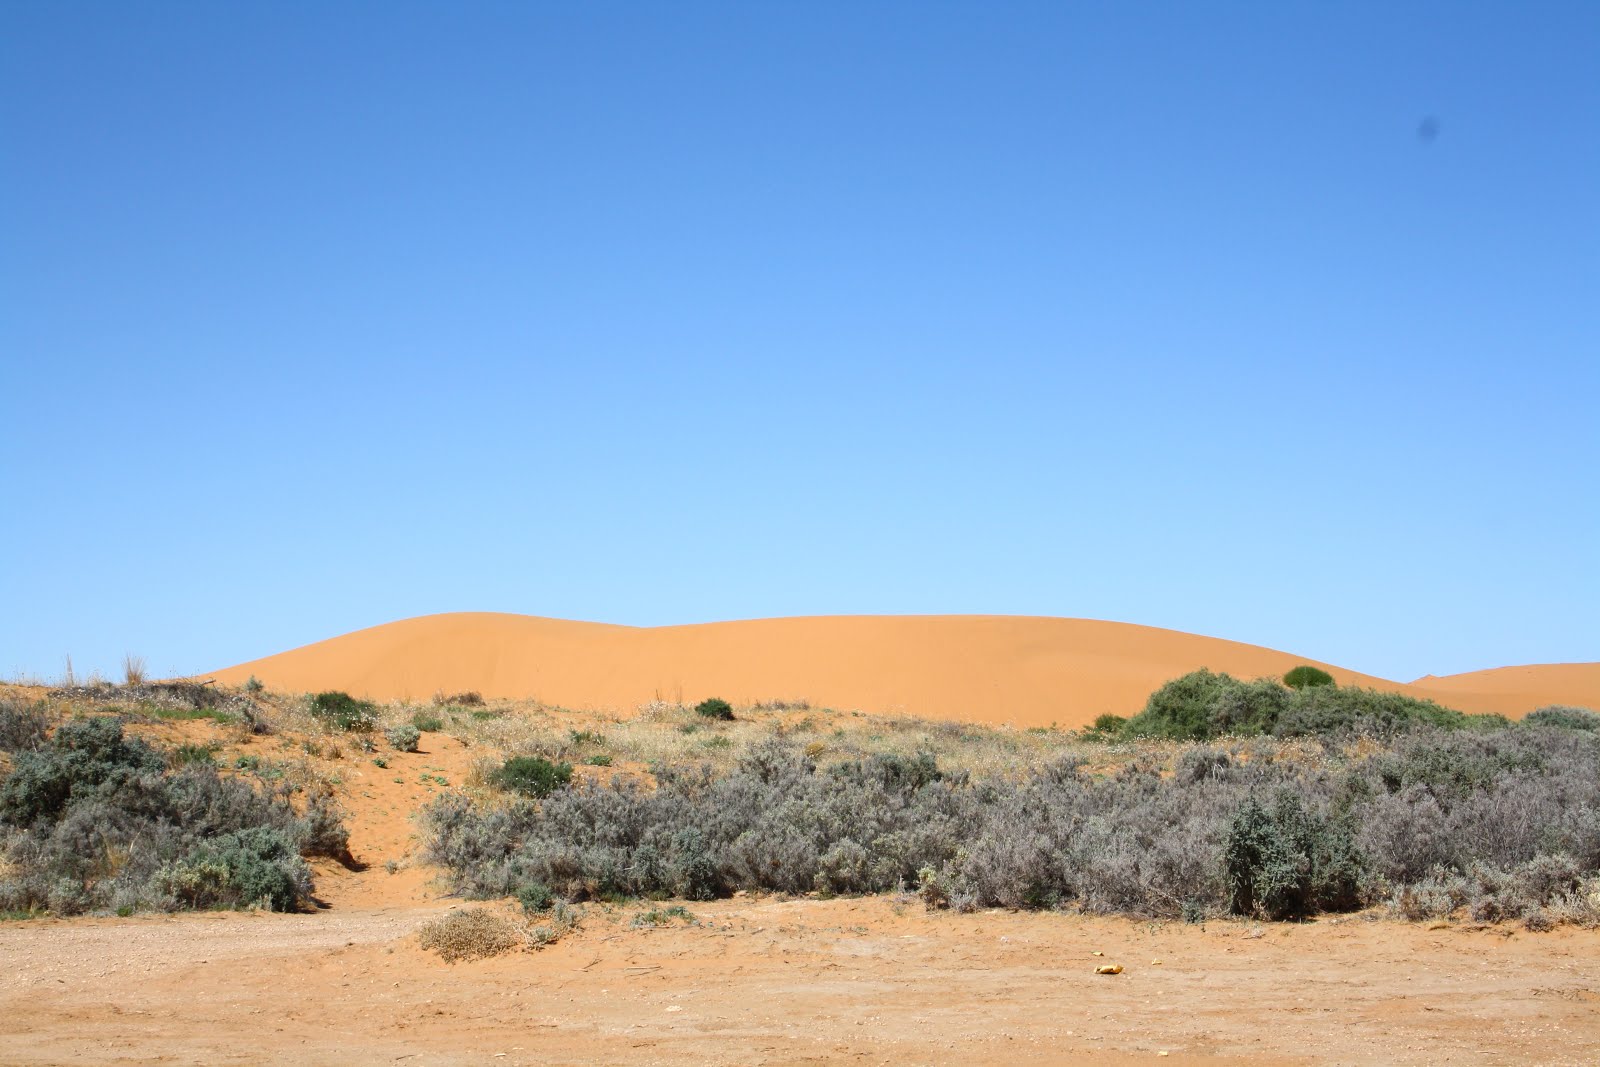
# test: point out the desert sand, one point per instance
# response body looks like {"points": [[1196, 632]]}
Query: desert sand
{"points": [[795, 982], [1017, 670]]}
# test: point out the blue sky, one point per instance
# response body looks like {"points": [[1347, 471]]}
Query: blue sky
{"points": [[317, 316]]}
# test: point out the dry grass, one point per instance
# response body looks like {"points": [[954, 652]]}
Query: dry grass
{"points": [[601, 744], [472, 934], [479, 933], [133, 668]]}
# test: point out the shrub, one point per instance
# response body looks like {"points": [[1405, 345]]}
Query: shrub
{"points": [[1437, 815], [1306, 676], [1107, 727], [1286, 862], [471, 934], [260, 866], [1181, 709], [469, 699], [532, 776], [92, 820], [715, 708], [252, 685], [322, 830], [404, 737], [82, 757], [1328, 710], [535, 897], [23, 727], [427, 722], [343, 711], [1201, 705], [189, 753], [1564, 717]]}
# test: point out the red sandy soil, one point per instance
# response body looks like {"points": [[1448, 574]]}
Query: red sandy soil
{"points": [[1024, 671], [796, 982]]}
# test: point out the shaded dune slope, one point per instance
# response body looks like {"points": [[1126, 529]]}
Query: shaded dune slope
{"points": [[1026, 671]]}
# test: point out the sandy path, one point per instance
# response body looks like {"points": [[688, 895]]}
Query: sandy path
{"points": [[764, 981]]}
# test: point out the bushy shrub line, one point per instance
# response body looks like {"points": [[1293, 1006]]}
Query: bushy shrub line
{"points": [[1441, 807], [91, 820], [1202, 706], [344, 712]]}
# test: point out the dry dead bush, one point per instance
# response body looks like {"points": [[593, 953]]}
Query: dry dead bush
{"points": [[473, 934]]}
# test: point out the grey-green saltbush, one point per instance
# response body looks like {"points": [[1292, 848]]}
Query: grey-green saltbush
{"points": [[404, 738], [92, 820], [1276, 839]]}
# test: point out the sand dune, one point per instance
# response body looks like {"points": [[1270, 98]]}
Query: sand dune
{"points": [[1021, 670]]}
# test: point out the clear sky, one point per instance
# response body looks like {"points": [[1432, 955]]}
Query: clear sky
{"points": [[1277, 322]]}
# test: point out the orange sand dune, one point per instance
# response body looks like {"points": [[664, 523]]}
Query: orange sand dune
{"points": [[1001, 669], [1526, 688]]}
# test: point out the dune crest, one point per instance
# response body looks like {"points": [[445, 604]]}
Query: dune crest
{"points": [[1022, 670]]}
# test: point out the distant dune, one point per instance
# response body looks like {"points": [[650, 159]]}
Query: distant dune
{"points": [[1021, 670]]}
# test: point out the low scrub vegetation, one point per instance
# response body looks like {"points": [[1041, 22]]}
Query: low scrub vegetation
{"points": [[1405, 810], [478, 933], [532, 776], [1201, 706], [94, 821], [715, 708], [341, 711], [403, 737]]}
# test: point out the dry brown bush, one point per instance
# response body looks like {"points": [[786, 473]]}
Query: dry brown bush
{"points": [[472, 934]]}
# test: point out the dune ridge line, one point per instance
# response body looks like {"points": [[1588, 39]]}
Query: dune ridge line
{"points": [[1001, 669]]}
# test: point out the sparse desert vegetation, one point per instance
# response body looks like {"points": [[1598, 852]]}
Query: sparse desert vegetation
{"points": [[1222, 797], [1497, 822], [584, 833], [93, 820]]}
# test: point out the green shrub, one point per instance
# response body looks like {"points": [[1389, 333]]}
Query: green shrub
{"points": [[1181, 709], [1324, 710], [404, 738], [1201, 705], [715, 708], [532, 776], [1267, 864], [246, 868], [1565, 717], [601, 760], [1107, 727], [82, 757], [253, 685], [194, 754], [1306, 676], [535, 897], [343, 711], [427, 722], [1286, 862]]}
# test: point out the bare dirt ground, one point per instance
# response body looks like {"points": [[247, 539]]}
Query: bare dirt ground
{"points": [[797, 981]]}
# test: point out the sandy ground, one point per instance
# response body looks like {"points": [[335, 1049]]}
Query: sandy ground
{"points": [[799, 981], [996, 669]]}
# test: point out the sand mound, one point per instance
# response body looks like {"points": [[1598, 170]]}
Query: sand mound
{"points": [[1004, 669]]}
